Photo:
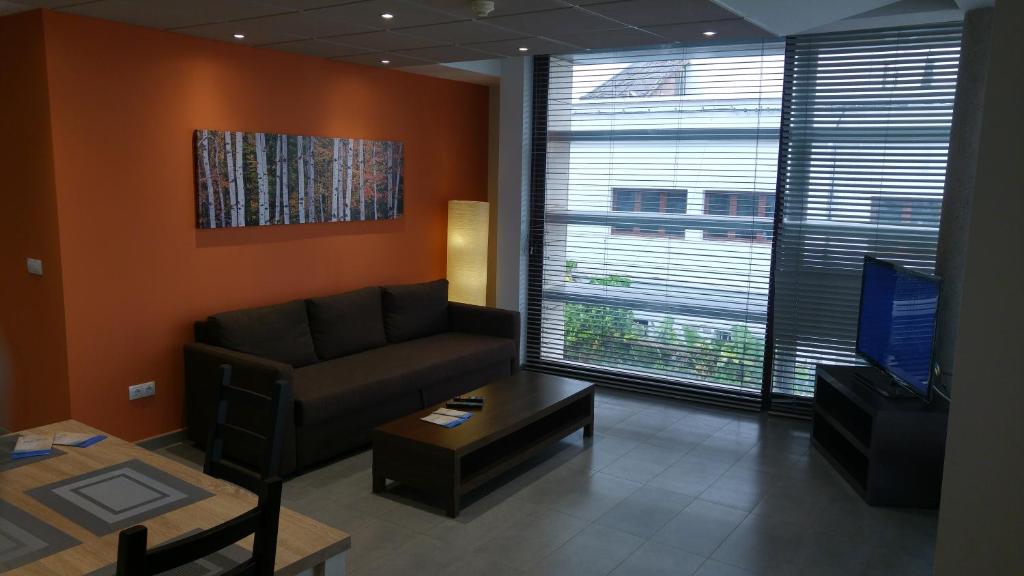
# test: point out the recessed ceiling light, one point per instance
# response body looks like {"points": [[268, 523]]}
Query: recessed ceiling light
{"points": [[710, 33], [387, 15], [524, 49], [239, 36], [385, 61]]}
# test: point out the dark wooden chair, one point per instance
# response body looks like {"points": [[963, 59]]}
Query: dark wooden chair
{"points": [[133, 559]]}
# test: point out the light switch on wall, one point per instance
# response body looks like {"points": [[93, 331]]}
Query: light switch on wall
{"points": [[35, 266]]}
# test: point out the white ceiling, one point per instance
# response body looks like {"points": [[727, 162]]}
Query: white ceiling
{"points": [[785, 17], [429, 36], [422, 32]]}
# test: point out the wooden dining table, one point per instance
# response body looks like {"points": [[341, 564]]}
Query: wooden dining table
{"points": [[45, 508]]}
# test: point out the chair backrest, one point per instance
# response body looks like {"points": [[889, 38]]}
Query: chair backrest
{"points": [[133, 559], [249, 423]]}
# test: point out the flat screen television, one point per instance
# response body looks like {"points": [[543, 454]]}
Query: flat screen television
{"points": [[896, 325]]}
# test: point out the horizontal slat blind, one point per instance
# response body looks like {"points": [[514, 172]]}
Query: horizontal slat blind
{"points": [[652, 215], [865, 133]]}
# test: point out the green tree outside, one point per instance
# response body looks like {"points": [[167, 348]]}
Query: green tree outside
{"points": [[609, 336]]}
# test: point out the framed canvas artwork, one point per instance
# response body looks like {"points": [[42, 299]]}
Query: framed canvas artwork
{"points": [[259, 179]]}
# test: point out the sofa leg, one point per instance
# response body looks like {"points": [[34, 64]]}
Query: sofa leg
{"points": [[379, 482]]}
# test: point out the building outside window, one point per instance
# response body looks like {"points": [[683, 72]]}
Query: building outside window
{"points": [[650, 201], [906, 211], [739, 205]]}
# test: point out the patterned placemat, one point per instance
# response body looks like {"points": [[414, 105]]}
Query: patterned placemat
{"points": [[118, 496], [212, 565], [7, 446], [25, 538]]}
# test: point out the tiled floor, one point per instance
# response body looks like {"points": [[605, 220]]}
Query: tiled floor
{"points": [[664, 487]]}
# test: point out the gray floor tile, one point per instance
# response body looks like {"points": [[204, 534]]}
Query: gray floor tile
{"points": [[653, 559], [716, 568], [762, 543], [643, 425], [830, 553], [608, 416], [466, 533], [645, 511], [797, 503], [605, 450], [700, 528], [474, 563], [691, 475], [373, 540], [894, 558], [531, 538], [595, 551], [185, 453], [588, 498], [683, 434], [658, 453], [740, 488], [420, 555], [636, 469]]}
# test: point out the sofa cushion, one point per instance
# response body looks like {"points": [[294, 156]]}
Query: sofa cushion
{"points": [[346, 323], [367, 380], [415, 310], [279, 332]]}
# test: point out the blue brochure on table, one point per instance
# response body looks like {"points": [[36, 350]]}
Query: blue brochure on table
{"points": [[77, 439], [29, 445], [447, 417]]}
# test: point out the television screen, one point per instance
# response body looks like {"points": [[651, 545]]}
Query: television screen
{"points": [[896, 327]]}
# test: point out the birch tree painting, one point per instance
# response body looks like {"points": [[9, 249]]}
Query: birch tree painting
{"points": [[260, 179]]}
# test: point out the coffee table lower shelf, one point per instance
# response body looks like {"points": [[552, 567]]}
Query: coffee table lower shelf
{"points": [[450, 474]]}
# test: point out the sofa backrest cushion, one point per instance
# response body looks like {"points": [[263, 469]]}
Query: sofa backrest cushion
{"points": [[346, 323], [415, 310], [279, 332]]}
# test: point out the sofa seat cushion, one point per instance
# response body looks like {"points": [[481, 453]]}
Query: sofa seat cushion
{"points": [[415, 310], [279, 332], [365, 380], [346, 323]]}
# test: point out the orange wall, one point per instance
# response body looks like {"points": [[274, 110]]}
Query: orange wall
{"points": [[124, 102], [34, 388]]}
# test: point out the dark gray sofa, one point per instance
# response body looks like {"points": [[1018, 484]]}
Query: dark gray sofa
{"points": [[354, 361]]}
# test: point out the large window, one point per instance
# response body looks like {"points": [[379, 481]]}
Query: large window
{"points": [[635, 276], [862, 172], [673, 247]]}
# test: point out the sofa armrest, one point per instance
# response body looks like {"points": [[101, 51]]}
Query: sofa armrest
{"points": [[203, 374], [486, 321]]}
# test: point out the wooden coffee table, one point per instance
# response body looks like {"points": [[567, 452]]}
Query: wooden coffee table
{"points": [[522, 414]]}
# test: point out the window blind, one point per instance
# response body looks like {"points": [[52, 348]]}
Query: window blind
{"points": [[865, 131], [651, 215]]}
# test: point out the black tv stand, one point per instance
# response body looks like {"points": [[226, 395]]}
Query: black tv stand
{"points": [[890, 450], [881, 383]]}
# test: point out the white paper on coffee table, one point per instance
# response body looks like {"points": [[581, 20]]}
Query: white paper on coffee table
{"points": [[439, 419]]}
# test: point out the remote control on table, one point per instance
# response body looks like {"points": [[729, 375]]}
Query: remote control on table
{"points": [[457, 405], [473, 399]]}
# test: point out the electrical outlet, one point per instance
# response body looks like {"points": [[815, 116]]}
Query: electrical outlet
{"points": [[142, 390], [35, 266]]}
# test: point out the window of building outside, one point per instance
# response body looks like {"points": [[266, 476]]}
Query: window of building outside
{"points": [[651, 201], [739, 205]]}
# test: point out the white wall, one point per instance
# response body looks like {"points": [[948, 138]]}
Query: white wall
{"points": [[981, 519], [513, 170]]}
